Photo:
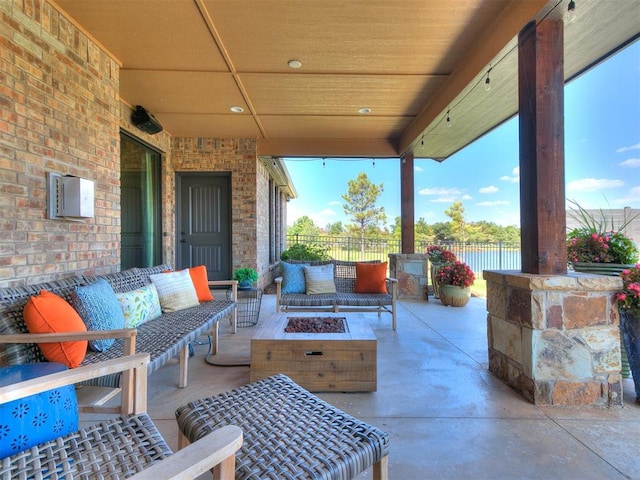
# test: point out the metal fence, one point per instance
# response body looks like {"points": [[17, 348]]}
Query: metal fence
{"points": [[478, 255]]}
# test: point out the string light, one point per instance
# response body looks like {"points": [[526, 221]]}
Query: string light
{"points": [[323, 162], [571, 11], [571, 16], [487, 82], [374, 163]]}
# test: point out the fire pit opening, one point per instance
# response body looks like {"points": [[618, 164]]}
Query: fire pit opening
{"points": [[316, 325]]}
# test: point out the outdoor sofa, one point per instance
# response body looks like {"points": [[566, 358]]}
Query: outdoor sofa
{"points": [[163, 338], [355, 286]]}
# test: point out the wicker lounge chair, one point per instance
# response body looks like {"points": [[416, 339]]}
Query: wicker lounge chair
{"points": [[127, 446]]}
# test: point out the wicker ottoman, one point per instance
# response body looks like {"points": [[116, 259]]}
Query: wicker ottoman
{"points": [[288, 433]]}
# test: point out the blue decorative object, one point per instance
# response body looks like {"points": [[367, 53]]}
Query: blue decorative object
{"points": [[37, 418], [100, 309], [293, 277]]}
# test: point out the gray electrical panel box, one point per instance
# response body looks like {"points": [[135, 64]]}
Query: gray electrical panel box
{"points": [[76, 198], [70, 197]]}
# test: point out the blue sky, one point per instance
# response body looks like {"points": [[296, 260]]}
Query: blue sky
{"points": [[602, 160]]}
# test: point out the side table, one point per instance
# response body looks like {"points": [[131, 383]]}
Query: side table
{"points": [[249, 301]]}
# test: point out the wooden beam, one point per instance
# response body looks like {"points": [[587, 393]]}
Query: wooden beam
{"points": [[542, 182], [407, 204]]}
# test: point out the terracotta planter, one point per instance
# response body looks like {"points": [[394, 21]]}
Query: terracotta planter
{"points": [[434, 281], [454, 296]]}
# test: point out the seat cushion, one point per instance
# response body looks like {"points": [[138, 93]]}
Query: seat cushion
{"points": [[100, 309], [49, 313]]}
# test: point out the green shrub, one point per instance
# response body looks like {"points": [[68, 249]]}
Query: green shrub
{"points": [[300, 251]]}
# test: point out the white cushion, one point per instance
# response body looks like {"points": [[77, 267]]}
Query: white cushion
{"points": [[176, 290], [319, 279]]}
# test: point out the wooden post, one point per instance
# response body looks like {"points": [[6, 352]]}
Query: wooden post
{"points": [[542, 182], [407, 206]]}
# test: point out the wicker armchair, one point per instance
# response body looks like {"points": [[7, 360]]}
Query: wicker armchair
{"points": [[127, 446]]}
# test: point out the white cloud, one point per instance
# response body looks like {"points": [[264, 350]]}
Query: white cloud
{"points": [[631, 163], [631, 199], [418, 169], [334, 202], [514, 177], [593, 184], [440, 191], [444, 199], [626, 149], [467, 197], [489, 189], [492, 204]]}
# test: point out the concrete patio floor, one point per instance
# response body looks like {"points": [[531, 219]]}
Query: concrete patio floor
{"points": [[446, 415]]}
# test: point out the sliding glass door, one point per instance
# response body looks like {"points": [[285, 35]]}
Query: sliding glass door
{"points": [[140, 204]]}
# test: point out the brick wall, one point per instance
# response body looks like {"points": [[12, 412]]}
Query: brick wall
{"points": [[60, 113]]}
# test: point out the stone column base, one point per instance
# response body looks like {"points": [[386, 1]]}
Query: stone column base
{"points": [[555, 339], [411, 271]]}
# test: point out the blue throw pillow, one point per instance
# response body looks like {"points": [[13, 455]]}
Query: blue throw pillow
{"points": [[37, 418], [293, 277], [100, 309]]}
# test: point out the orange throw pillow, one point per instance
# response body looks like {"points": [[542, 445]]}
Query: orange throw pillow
{"points": [[200, 282], [49, 313], [370, 278]]}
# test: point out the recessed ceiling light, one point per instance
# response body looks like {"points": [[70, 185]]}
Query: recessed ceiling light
{"points": [[237, 109], [294, 63], [364, 110]]}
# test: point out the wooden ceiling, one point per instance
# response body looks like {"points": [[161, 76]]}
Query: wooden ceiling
{"points": [[409, 61]]}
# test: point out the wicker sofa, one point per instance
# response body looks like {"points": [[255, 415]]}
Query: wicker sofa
{"points": [[345, 299], [126, 446], [163, 338]]}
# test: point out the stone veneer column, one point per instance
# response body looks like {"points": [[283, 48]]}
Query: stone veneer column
{"points": [[411, 271], [555, 339]]}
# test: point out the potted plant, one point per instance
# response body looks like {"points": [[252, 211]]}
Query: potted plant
{"points": [[455, 281], [596, 246], [438, 256], [629, 307], [245, 277]]}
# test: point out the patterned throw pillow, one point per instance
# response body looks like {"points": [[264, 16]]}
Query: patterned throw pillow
{"points": [[100, 309], [37, 418], [371, 278], [319, 279], [50, 313], [139, 306], [176, 290], [293, 277]]}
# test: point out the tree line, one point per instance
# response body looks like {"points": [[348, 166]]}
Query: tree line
{"points": [[370, 220]]}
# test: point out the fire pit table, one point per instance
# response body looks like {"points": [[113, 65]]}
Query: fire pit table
{"points": [[322, 353]]}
